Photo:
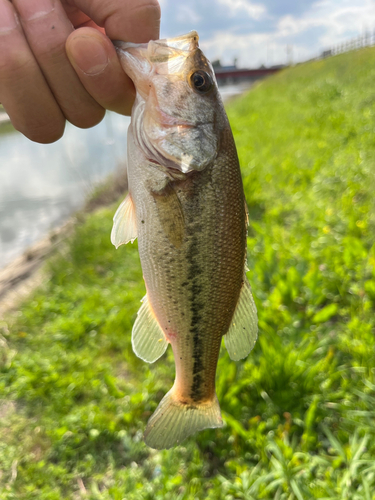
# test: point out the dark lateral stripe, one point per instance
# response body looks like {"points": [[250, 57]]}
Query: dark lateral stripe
{"points": [[195, 290]]}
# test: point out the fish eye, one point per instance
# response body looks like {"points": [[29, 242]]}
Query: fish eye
{"points": [[201, 81]]}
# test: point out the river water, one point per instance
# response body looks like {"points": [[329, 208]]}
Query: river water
{"points": [[42, 185]]}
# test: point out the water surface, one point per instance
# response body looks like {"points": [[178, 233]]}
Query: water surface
{"points": [[41, 185]]}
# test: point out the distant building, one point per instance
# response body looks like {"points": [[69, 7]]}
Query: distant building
{"points": [[218, 67]]}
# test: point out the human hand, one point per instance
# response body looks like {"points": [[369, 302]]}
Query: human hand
{"points": [[57, 62]]}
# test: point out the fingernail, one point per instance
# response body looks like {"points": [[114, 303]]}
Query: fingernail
{"points": [[8, 18], [89, 54], [32, 9]]}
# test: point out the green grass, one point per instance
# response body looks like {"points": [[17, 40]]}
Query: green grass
{"points": [[300, 410], [6, 128]]}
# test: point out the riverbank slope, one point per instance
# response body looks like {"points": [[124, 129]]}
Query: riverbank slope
{"points": [[299, 411]]}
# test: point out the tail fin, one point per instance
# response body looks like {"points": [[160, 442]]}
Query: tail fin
{"points": [[174, 421]]}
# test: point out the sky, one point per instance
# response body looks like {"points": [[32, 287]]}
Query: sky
{"points": [[267, 32]]}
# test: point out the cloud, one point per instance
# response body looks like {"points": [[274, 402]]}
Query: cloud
{"points": [[251, 50], [186, 14], [258, 32], [277, 8], [252, 10], [211, 16], [328, 23], [344, 19]]}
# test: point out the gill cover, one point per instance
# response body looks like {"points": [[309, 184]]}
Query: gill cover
{"points": [[175, 113]]}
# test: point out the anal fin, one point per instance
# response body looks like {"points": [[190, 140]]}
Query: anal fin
{"points": [[148, 339], [124, 223], [243, 331]]}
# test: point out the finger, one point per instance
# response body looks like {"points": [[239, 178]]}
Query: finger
{"points": [[91, 24], [79, 19], [95, 60], [23, 90], [47, 27], [129, 20], [75, 16]]}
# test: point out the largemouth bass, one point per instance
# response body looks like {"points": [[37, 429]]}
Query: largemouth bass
{"points": [[187, 207]]}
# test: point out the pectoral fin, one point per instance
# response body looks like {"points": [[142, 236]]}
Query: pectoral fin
{"points": [[124, 223], [148, 339], [243, 331]]}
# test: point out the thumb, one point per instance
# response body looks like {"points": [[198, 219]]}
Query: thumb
{"points": [[95, 61]]}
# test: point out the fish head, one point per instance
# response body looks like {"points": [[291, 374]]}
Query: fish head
{"points": [[178, 112]]}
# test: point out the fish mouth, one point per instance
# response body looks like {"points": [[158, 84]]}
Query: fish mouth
{"points": [[183, 43], [169, 55]]}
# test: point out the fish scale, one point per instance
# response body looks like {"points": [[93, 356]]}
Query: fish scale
{"points": [[188, 211]]}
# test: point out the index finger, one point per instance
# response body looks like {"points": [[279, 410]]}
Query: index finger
{"points": [[135, 21]]}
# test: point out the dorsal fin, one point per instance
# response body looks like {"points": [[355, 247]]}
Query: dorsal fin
{"points": [[124, 223]]}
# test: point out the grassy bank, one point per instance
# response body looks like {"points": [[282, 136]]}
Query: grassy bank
{"points": [[6, 128], [299, 411]]}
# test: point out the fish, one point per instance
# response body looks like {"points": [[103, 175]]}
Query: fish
{"points": [[186, 206]]}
